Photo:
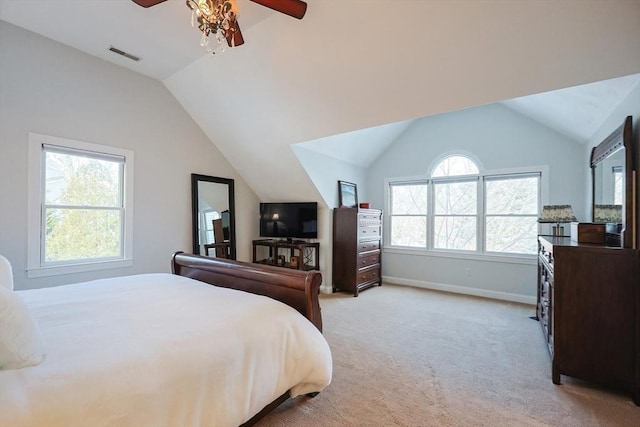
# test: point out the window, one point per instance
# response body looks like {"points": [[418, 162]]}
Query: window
{"points": [[618, 186], [511, 217], [409, 215], [209, 216], [80, 205], [454, 216], [455, 203], [467, 211], [455, 166]]}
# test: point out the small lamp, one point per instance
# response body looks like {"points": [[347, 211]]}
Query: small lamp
{"points": [[275, 219], [607, 213], [557, 214]]}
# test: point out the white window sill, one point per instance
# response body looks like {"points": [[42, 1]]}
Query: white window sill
{"points": [[77, 268], [502, 258]]}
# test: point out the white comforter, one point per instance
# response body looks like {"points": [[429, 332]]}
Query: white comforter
{"points": [[160, 350]]}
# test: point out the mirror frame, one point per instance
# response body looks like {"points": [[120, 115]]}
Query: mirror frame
{"points": [[619, 138], [197, 178]]}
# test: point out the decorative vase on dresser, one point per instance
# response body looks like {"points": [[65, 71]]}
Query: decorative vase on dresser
{"points": [[357, 237], [588, 307]]}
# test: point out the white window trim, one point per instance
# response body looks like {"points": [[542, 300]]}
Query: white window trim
{"points": [[419, 180], [436, 161], [464, 255], [35, 171], [504, 174], [481, 253], [206, 226], [432, 214]]}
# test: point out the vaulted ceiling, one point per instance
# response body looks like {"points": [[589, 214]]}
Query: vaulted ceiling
{"points": [[358, 64]]}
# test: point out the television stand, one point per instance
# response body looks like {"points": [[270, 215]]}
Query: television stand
{"points": [[289, 253]]}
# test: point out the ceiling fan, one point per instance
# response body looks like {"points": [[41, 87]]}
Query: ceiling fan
{"points": [[220, 16]]}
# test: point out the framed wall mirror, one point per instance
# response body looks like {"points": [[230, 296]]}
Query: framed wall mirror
{"points": [[213, 216], [612, 189]]}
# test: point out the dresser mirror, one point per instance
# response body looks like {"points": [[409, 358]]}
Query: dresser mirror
{"points": [[213, 216], [612, 192]]}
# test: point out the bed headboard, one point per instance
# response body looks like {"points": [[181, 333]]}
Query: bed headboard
{"points": [[298, 289]]}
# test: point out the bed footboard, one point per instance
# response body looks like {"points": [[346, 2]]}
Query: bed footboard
{"points": [[298, 289]]}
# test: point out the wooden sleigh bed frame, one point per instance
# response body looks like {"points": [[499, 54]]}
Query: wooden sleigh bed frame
{"points": [[157, 348], [298, 289]]}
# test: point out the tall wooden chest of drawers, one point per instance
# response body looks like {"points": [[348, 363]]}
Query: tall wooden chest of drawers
{"points": [[357, 235]]}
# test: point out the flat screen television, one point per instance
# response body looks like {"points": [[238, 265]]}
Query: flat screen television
{"points": [[289, 220]]}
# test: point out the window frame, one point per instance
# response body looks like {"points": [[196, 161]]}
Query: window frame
{"points": [[36, 267], [389, 196], [208, 224], [480, 253], [432, 209], [505, 176], [617, 175]]}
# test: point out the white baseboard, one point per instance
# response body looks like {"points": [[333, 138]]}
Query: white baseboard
{"points": [[504, 296], [326, 289]]}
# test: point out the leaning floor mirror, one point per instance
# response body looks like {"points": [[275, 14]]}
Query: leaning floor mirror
{"points": [[213, 210]]}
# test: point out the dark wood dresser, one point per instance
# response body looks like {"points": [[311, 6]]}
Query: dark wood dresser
{"points": [[357, 236], [588, 306]]}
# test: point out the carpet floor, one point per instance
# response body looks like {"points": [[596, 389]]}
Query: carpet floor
{"points": [[405, 356]]}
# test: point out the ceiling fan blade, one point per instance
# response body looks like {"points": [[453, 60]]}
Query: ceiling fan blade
{"points": [[233, 34], [294, 8], [148, 3]]}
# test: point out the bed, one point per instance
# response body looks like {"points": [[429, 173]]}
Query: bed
{"points": [[170, 350]]}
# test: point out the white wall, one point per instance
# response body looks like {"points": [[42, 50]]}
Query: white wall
{"points": [[325, 172], [49, 88], [499, 138]]}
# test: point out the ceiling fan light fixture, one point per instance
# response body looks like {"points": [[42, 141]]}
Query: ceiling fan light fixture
{"points": [[218, 19], [293, 8]]}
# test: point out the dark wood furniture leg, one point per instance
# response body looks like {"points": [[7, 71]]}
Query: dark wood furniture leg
{"points": [[555, 374]]}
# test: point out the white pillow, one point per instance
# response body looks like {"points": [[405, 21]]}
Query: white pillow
{"points": [[6, 274], [21, 343]]}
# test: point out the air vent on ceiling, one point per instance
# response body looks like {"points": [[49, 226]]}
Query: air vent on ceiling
{"points": [[123, 53]]}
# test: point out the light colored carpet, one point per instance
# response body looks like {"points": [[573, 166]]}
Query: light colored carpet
{"points": [[412, 357]]}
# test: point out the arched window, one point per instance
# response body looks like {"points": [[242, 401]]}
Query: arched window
{"points": [[455, 203], [455, 165], [462, 207]]}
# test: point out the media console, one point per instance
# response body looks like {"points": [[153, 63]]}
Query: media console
{"points": [[295, 254]]}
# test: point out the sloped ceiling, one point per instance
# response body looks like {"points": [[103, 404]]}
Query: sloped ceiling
{"points": [[360, 147], [161, 35], [576, 112], [348, 65]]}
